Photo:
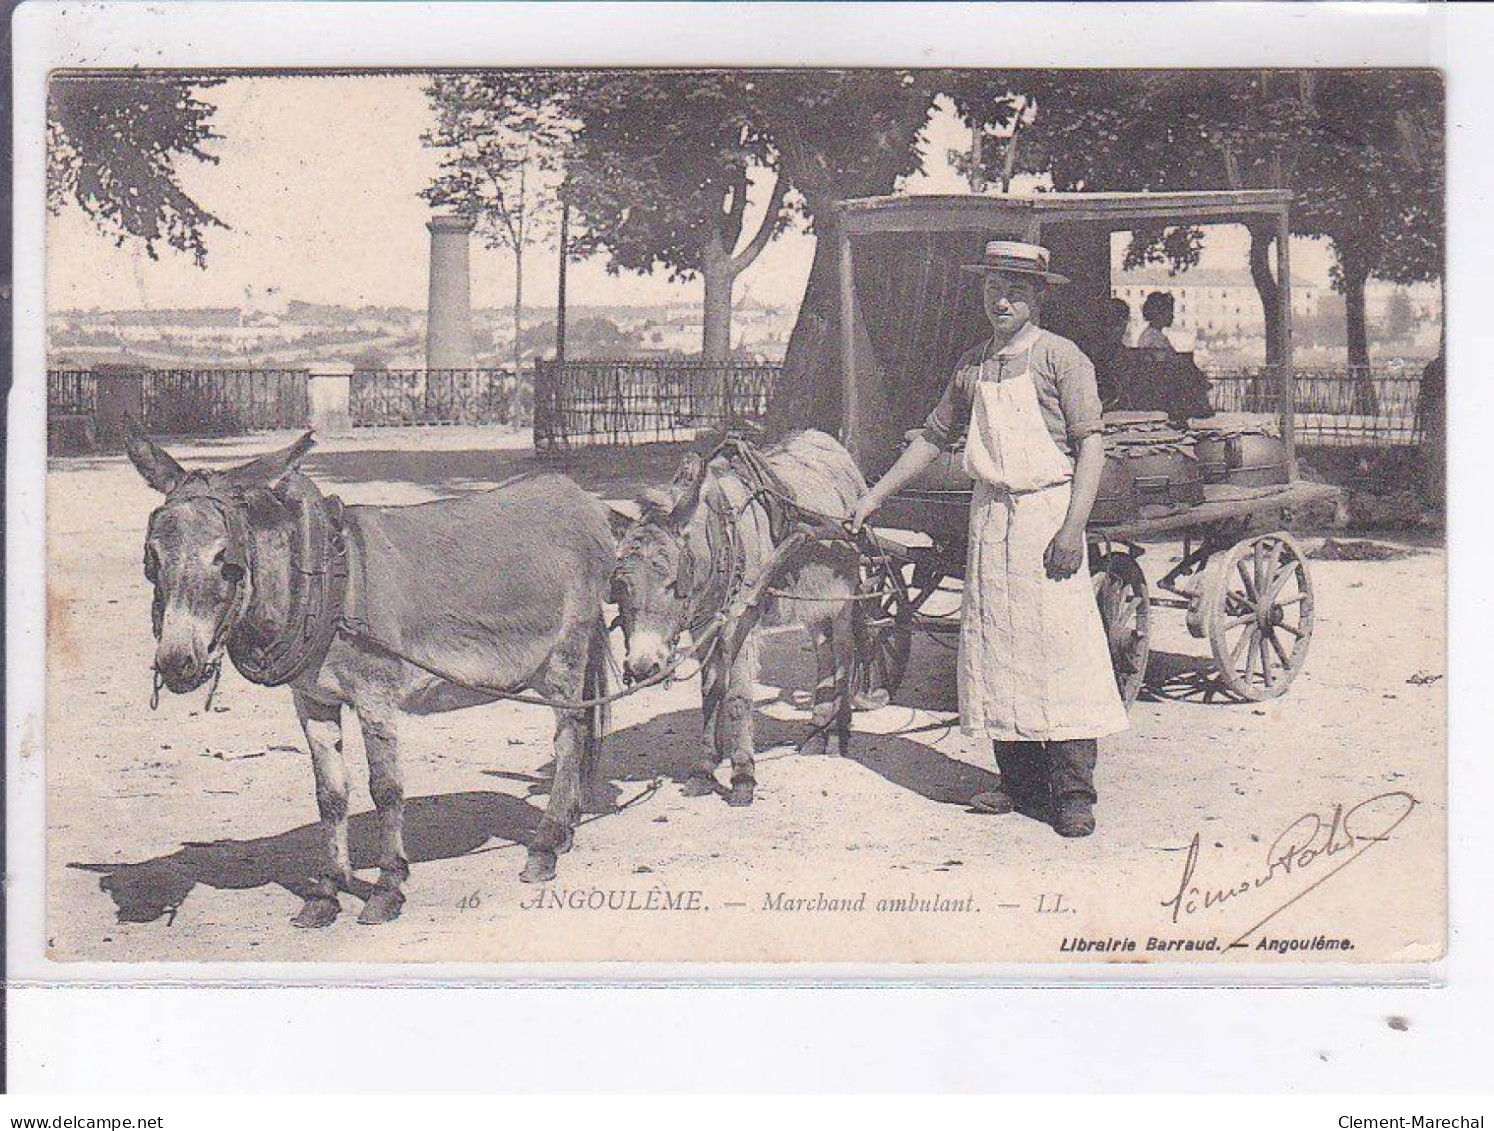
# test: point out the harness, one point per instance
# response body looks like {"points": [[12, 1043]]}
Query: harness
{"points": [[792, 529], [713, 596], [318, 578]]}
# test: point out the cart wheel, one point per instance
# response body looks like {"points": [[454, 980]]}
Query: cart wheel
{"points": [[884, 633], [1258, 605], [1125, 610]]}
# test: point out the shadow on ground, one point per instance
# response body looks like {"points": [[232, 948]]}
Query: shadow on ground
{"points": [[1177, 678], [441, 827], [667, 747]]}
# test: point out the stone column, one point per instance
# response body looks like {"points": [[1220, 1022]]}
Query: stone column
{"points": [[448, 331], [329, 390]]}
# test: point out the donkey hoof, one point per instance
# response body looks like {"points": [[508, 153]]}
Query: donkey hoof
{"points": [[382, 907], [317, 912], [873, 700], [741, 793], [816, 745], [539, 867], [699, 785]]}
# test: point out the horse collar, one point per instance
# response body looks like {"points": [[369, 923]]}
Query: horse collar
{"points": [[318, 582], [318, 589]]}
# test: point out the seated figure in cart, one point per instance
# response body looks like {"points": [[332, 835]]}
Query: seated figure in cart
{"points": [[1035, 672]]}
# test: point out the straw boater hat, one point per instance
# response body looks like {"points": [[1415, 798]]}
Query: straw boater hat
{"points": [[1014, 258]]}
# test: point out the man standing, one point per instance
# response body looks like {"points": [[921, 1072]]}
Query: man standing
{"points": [[1034, 668]]}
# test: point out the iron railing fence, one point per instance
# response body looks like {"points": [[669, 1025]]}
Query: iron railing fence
{"points": [[197, 402], [71, 392], [1338, 406], [631, 402], [638, 402], [397, 397]]}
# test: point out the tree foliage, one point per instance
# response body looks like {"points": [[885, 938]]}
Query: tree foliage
{"points": [[503, 134], [1361, 152], [499, 133], [114, 143], [662, 165]]}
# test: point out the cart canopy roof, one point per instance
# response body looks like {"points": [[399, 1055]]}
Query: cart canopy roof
{"points": [[1115, 210], [910, 311]]}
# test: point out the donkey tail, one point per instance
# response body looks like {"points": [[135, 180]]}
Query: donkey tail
{"points": [[596, 686]]}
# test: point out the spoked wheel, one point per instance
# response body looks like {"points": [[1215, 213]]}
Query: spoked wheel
{"points": [[1125, 610], [1258, 603], [884, 629]]}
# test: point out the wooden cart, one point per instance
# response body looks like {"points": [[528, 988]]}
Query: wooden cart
{"points": [[907, 312]]}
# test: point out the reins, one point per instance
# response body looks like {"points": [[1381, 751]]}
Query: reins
{"points": [[667, 673], [792, 529]]}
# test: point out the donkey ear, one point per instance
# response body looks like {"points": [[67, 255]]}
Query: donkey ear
{"points": [[154, 464], [620, 520], [655, 502], [688, 481], [270, 469]]}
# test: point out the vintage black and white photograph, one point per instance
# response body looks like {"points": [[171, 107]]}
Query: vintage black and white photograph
{"points": [[748, 515]]}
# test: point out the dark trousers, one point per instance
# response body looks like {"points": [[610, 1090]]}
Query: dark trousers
{"points": [[1037, 772]]}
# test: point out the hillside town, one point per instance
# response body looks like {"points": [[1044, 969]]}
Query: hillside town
{"points": [[290, 333], [1218, 318]]}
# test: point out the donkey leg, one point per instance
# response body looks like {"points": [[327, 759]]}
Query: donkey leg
{"points": [[736, 725], [823, 716], [381, 740], [563, 679], [322, 723], [701, 781]]}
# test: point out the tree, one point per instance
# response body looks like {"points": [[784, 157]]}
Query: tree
{"points": [[1376, 176], [841, 134], [503, 132], [1400, 316], [113, 147], [1360, 150], [1146, 130], [693, 141], [660, 175]]}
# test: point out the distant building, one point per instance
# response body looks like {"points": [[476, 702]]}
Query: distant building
{"points": [[1210, 305], [1225, 305]]}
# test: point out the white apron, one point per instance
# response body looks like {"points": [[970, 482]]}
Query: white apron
{"points": [[1033, 662]]}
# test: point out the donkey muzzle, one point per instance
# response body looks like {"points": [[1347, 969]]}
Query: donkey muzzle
{"points": [[181, 672]]}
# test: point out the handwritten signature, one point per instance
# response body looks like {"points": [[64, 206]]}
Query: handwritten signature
{"points": [[1306, 846]]}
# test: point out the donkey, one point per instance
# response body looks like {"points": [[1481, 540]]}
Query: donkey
{"points": [[388, 611], [711, 530]]}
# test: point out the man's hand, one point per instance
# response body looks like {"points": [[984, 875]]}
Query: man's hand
{"points": [[864, 508], [1065, 554]]}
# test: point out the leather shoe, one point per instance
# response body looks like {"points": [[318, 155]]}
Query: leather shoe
{"points": [[1075, 817], [993, 802]]}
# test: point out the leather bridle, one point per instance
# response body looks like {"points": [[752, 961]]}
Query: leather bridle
{"points": [[318, 570]]}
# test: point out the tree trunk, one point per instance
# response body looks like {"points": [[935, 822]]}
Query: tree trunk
{"points": [[715, 347], [1354, 320], [1266, 286], [808, 393], [1355, 275], [518, 307]]}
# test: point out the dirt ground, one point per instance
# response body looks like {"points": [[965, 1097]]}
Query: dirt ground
{"points": [[173, 835]]}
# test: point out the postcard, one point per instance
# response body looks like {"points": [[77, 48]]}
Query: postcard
{"points": [[749, 516]]}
